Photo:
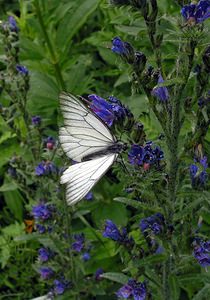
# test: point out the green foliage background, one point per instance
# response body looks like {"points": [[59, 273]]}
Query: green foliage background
{"points": [[66, 45]]}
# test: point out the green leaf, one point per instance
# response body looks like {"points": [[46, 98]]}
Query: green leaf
{"points": [[203, 294], [113, 211], [13, 230], [4, 251], [14, 201], [116, 277], [74, 20], [174, 287], [153, 259], [8, 186]]}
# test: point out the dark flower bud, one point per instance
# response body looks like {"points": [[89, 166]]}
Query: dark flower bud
{"points": [[98, 274], [139, 62], [12, 172], [138, 134], [120, 2], [206, 59]]}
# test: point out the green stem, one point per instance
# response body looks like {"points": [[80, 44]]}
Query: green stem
{"points": [[68, 217], [50, 47]]}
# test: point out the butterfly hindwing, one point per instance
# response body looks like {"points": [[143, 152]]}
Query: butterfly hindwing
{"points": [[81, 177]]}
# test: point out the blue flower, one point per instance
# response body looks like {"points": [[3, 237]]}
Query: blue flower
{"points": [[46, 272], [98, 273], [118, 46], [154, 224], [125, 291], [86, 256], [12, 24], [45, 168], [110, 111], [124, 49], [136, 155], [40, 169], [42, 211], [36, 120], [140, 155], [133, 288], [161, 92], [44, 254], [79, 243], [196, 13], [22, 70], [59, 286], [111, 231], [201, 252], [102, 109]]}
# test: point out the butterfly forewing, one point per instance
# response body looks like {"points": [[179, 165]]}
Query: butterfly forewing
{"points": [[84, 133]]}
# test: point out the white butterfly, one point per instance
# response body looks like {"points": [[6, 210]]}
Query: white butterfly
{"points": [[85, 139]]}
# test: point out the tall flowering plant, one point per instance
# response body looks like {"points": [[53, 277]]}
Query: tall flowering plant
{"points": [[143, 232]]}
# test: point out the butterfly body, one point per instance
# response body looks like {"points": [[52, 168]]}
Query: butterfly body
{"points": [[88, 141], [116, 148]]}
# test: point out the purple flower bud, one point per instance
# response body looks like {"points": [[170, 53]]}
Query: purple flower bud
{"points": [[44, 254], [22, 70], [89, 196], [12, 24], [79, 243], [161, 92], [46, 168], [41, 228], [46, 272], [59, 286], [154, 224], [36, 120], [86, 256]]}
